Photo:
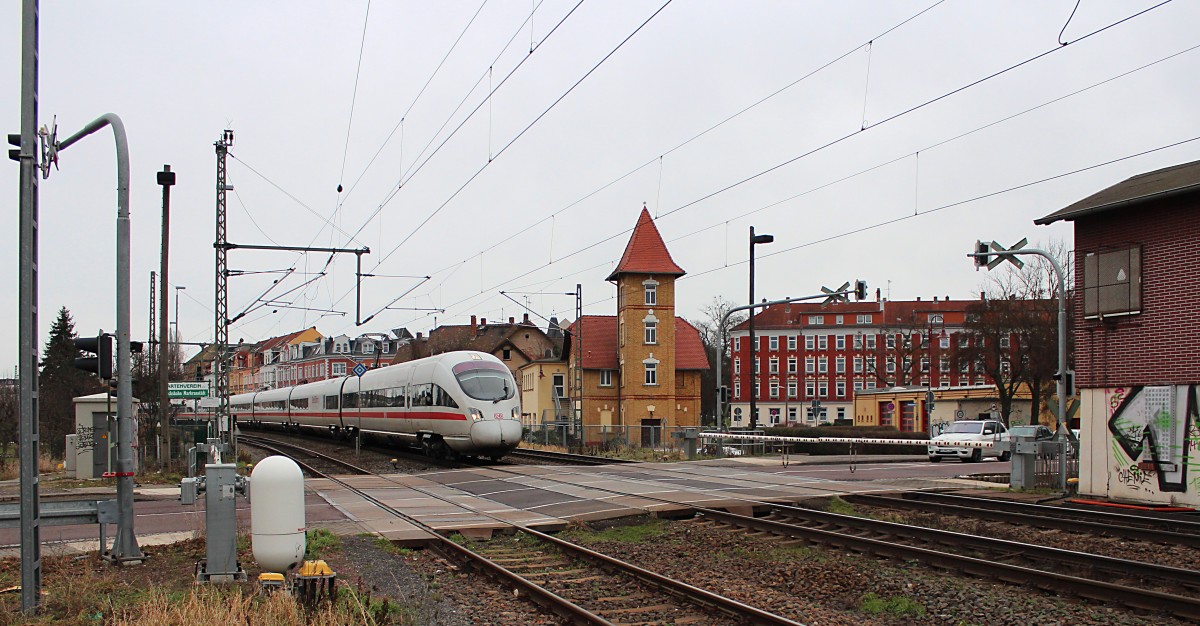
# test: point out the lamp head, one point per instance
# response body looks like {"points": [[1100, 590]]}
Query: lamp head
{"points": [[762, 239]]}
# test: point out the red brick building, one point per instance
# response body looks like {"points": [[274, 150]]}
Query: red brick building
{"points": [[1137, 335], [830, 351]]}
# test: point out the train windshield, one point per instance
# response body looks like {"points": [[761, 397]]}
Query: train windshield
{"points": [[485, 381]]}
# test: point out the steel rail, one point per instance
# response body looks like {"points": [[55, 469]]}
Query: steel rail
{"points": [[1124, 519], [280, 447], [1188, 608], [543, 597], [565, 457], [1037, 518], [1004, 547]]}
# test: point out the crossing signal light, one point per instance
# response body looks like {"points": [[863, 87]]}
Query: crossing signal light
{"points": [[14, 140], [102, 347], [723, 392], [981, 254], [860, 290]]}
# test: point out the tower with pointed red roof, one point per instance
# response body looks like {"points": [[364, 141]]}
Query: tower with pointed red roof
{"points": [[642, 367]]}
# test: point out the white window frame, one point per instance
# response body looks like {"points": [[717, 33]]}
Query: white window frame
{"points": [[773, 343], [651, 332], [774, 388], [791, 344], [793, 387], [814, 320], [737, 366], [871, 341], [793, 365], [773, 364], [840, 365], [810, 342], [840, 388], [650, 292], [810, 365], [651, 373], [822, 389], [339, 369], [606, 378], [823, 342]]}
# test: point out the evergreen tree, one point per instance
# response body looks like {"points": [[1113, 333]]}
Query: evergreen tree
{"points": [[59, 383]]}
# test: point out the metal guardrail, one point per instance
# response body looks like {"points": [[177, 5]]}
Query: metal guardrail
{"points": [[64, 513]]}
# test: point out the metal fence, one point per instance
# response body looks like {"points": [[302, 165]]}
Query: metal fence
{"points": [[1046, 468], [606, 438]]}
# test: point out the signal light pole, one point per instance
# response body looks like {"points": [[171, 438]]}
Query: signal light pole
{"points": [[166, 178], [754, 239]]}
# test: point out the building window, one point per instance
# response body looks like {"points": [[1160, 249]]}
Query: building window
{"points": [[823, 342], [823, 389], [822, 365], [791, 414], [840, 365], [925, 364], [774, 388], [774, 365], [841, 389], [944, 365], [606, 378], [387, 347], [839, 342], [891, 365], [810, 365], [651, 332], [871, 342], [757, 390], [810, 343], [816, 319], [507, 354], [560, 386], [737, 344], [773, 343], [839, 320], [963, 341], [944, 341], [1004, 367], [651, 373], [793, 363], [737, 390], [792, 388], [810, 389], [651, 292], [792, 343], [737, 366], [858, 365], [774, 416], [339, 369], [1112, 282], [864, 319], [964, 367], [1005, 342], [858, 342], [756, 363]]}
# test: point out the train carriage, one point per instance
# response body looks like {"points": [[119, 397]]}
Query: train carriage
{"points": [[464, 403]]}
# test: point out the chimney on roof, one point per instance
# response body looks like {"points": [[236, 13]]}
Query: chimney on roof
{"points": [[878, 294], [512, 320], [483, 321], [525, 320], [982, 296], [918, 298], [474, 322], [419, 334], [935, 298]]}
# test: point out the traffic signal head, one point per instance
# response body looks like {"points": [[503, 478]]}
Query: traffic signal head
{"points": [[14, 140], [860, 290], [723, 392], [981, 249], [101, 346]]}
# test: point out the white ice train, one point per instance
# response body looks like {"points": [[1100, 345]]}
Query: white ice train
{"points": [[463, 403]]}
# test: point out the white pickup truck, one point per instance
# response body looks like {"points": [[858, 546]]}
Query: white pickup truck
{"points": [[984, 431]]}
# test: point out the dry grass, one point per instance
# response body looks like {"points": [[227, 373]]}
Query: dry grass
{"points": [[11, 470], [236, 605]]}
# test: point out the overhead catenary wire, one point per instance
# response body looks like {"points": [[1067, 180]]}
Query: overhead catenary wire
{"points": [[354, 93], [1006, 118]]}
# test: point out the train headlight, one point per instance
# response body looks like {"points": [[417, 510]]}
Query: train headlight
{"points": [[476, 414]]}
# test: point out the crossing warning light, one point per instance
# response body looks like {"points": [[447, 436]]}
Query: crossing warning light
{"points": [[102, 347], [981, 254]]}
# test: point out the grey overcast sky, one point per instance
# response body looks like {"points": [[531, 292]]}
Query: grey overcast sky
{"points": [[397, 112]]}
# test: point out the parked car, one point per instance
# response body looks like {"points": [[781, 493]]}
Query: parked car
{"points": [[969, 430], [1038, 432]]}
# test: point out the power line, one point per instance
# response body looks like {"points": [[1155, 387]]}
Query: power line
{"points": [[354, 94]]}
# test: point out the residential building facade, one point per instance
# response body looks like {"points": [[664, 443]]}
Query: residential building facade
{"points": [[1137, 333], [812, 359]]}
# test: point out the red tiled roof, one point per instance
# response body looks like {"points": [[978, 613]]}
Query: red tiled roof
{"points": [[689, 349], [599, 338], [646, 253], [782, 316]]}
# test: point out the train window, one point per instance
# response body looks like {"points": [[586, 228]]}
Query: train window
{"points": [[299, 403], [331, 403], [420, 395], [486, 384], [443, 398], [398, 396], [349, 400]]}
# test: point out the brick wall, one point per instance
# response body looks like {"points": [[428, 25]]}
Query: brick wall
{"points": [[1161, 345]]}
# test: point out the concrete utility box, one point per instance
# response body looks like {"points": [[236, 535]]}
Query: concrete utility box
{"points": [[69, 460], [95, 435]]}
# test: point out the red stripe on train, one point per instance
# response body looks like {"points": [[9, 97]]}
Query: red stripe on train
{"points": [[414, 415]]}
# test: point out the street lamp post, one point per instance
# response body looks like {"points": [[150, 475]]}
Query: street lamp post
{"points": [[754, 239], [178, 288]]}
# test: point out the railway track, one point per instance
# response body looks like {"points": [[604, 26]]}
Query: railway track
{"points": [[562, 458], [568, 580], [1007, 561], [291, 450], [1140, 528]]}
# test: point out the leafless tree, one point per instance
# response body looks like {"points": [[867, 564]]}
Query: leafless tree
{"points": [[894, 359], [9, 416], [715, 336]]}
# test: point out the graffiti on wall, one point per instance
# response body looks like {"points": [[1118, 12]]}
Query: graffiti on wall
{"points": [[1155, 425]]}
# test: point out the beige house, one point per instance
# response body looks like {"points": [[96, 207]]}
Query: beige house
{"points": [[543, 391]]}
